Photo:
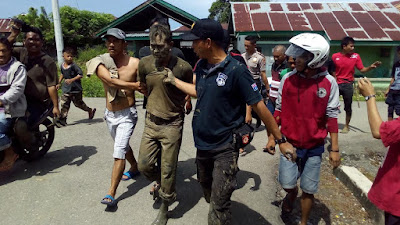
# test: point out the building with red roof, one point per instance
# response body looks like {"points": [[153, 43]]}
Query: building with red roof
{"points": [[374, 26]]}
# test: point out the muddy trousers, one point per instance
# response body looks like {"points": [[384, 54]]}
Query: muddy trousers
{"points": [[158, 154], [76, 98], [216, 172]]}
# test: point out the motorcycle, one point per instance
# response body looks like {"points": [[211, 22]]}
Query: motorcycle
{"points": [[42, 131]]}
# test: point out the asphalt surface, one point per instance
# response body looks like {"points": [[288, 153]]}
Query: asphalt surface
{"points": [[67, 184]]}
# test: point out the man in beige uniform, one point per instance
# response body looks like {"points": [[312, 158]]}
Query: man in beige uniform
{"points": [[118, 73], [162, 135], [255, 61]]}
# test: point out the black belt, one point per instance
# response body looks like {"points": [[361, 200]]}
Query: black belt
{"points": [[159, 121]]}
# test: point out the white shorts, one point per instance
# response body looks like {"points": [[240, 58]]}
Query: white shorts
{"points": [[121, 124]]}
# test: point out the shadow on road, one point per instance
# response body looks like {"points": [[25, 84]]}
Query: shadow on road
{"points": [[248, 149], [75, 155], [140, 182], [351, 128], [188, 190], [189, 193], [319, 212], [244, 176], [86, 121], [242, 214]]}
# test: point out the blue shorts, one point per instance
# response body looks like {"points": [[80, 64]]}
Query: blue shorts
{"points": [[307, 170]]}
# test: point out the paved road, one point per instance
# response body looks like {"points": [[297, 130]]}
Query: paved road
{"points": [[66, 186]]}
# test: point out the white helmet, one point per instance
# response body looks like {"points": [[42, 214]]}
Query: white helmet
{"points": [[314, 43]]}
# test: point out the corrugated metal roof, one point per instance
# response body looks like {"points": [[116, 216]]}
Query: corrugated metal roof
{"points": [[185, 28], [362, 21], [5, 25]]}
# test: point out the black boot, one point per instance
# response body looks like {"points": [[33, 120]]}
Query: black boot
{"points": [[162, 216]]}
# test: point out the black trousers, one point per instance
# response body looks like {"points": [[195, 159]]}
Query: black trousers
{"points": [[391, 219], [346, 90], [216, 172]]}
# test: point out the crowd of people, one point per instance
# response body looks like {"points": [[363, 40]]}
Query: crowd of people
{"points": [[299, 108]]}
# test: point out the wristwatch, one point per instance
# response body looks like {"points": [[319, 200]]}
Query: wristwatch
{"points": [[369, 97], [280, 141]]}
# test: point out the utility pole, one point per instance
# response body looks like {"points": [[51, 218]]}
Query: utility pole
{"points": [[57, 31]]}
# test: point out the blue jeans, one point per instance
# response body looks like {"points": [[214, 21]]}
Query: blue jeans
{"points": [[5, 125], [307, 169]]}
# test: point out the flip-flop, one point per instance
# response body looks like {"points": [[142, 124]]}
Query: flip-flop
{"points": [[130, 175], [113, 202]]}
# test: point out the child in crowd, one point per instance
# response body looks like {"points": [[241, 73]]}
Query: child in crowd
{"points": [[71, 88], [385, 191]]}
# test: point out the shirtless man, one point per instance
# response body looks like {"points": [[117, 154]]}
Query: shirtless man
{"points": [[118, 73]]}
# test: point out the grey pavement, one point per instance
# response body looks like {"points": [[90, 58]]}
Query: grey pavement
{"points": [[67, 184]]}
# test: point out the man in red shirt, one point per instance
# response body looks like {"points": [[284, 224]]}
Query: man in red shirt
{"points": [[345, 61], [307, 108], [385, 191]]}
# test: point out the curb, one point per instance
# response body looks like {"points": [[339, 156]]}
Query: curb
{"points": [[354, 180]]}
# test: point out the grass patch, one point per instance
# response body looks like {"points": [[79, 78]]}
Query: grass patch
{"points": [[380, 95]]}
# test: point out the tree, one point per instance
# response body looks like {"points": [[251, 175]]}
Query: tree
{"points": [[41, 21], [221, 9], [78, 26]]}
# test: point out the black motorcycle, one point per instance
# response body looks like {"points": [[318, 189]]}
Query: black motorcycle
{"points": [[42, 131]]}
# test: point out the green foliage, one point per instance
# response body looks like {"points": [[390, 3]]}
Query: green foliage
{"points": [[78, 26], [41, 21], [221, 9], [89, 52], [92, 86]]}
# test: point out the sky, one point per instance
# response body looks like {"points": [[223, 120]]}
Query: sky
{"points": [[198, 8]]}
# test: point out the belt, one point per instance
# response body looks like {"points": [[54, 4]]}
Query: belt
{"points": [[160, 121]]}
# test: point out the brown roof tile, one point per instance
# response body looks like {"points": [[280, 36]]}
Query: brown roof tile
{"points": [[362, 21]]}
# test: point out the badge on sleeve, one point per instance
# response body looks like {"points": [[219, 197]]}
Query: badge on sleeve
{"points": [[254, 86], [221, 79]]}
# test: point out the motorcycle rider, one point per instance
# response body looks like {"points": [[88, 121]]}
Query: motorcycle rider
{"points": [[12, 100], [41, 69]]}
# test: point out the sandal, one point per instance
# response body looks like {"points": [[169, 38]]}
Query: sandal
{"points": [[129, 175], [111, 203]]}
